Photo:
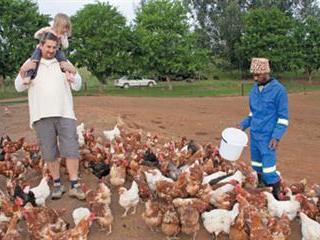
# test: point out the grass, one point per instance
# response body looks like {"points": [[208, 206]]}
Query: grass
{"points": [[202, 88]]}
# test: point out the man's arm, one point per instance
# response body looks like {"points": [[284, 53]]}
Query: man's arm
{"points": [[67, 66], [19, 82], [245, 123], [283, 116]]}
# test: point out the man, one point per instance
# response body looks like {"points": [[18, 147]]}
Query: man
{"points": [[52, 115], [268, 121]]}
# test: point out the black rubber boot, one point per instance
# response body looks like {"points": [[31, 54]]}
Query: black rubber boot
{"points": [[260, 181], [276, 190]]}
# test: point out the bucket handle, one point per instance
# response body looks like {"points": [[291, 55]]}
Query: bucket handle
{"points": [[246, 145]]}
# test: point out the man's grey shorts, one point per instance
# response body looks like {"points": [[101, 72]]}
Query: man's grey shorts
{"points": [[57, 137]]}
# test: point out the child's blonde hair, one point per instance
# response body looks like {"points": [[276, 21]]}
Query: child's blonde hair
{"points": [[61, 20]]}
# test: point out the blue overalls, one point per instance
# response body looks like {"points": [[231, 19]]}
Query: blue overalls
{"points": [[268, 119]]}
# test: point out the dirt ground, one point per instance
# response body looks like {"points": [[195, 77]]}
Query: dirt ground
{"points": [[201, 119]]}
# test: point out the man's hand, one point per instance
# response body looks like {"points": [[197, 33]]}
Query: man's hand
{"points": [[30, 64], [239, 126], [68, 67], [274, 143]]}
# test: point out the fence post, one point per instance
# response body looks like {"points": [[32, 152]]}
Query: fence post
{"points": [[242, 89]]}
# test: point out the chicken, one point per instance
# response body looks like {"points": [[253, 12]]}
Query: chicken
{"points": [[255, 196], [189, 218], [299, 187], [129, 198], [112, 134], [212, 176], [12, 232], [154, 175], [80, 132], [170, 190], [194, 180], [41, 192], [11, 146], [152, 215], [207, 167], [38, 218], [309, 207], [219, 220], [103, 215], [238, 230], [222, 196], [170, 223], [238, 176], [103, 194], [4, 223], [310, 229], [280, 229], [79, 232], [258, 230], [278, 208], [79, 213], [144, 190], [118, 173], [196, 203]]}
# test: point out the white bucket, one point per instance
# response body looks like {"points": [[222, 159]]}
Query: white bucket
{"points": [[232, 143]]}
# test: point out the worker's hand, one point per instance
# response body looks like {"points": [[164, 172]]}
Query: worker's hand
{"points": [[274, 143], [68, 67], [239, 126], [28, 65]]}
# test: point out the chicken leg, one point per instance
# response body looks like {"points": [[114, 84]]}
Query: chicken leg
{"points": [[134, 210], [125, 212]]}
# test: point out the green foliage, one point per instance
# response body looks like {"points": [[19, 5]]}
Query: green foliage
{"points": [[101, 40], [19, 20], [269, 33], [307, 34], [166, 43]]}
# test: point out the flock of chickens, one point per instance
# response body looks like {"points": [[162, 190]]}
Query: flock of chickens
{"points": [[183, 184]]}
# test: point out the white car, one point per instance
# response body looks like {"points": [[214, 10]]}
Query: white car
{"points": [[126, 82]]}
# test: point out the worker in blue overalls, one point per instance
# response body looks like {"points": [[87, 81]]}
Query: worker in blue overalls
{"points": [[268, 121]]}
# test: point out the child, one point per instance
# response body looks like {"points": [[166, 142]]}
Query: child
{"points": [[62, 29]]}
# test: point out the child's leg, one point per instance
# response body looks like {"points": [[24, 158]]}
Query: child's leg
{"points": [[36, 56], [62, 58]]}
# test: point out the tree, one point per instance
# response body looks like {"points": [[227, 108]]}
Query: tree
{"points": [[101, 40], [19, 20], [269, 34], [167, 46], [308, 35]]}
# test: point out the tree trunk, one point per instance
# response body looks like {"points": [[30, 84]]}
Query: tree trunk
{"points": [[309, 75], [169, 83], [2, 82]]}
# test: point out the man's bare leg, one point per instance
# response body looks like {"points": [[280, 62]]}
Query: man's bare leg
{"points": [[73, 169]]}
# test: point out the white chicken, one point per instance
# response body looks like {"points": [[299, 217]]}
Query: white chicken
{"points": [[310, 229], [112, 134], [217, 194], [79, 213], [219, 220], [154, 175], [41, 192], [238, 176], [212, 176], [80, 132], [129, 198], [278, 208]]}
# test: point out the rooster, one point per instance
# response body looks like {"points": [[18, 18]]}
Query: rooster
{"points": [[129, 198], [40, 192]]}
